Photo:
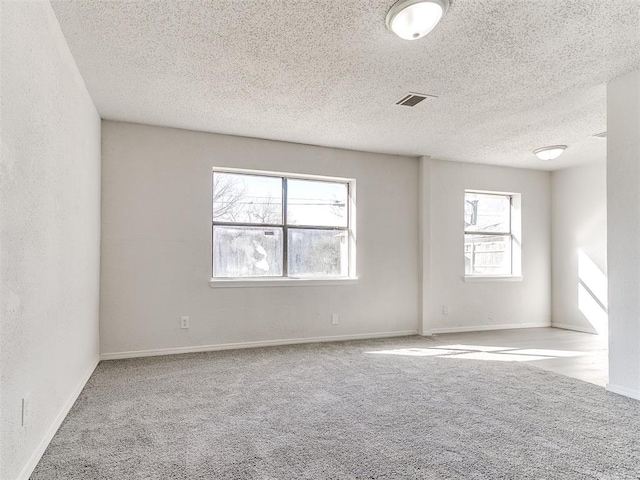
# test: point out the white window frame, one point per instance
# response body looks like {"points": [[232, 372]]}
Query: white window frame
{"points": [[285, 279], [515, 234]]}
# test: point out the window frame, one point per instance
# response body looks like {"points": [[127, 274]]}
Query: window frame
{"points": [[515, 273], [285, 278]]}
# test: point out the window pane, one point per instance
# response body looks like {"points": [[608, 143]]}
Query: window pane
{"points": [[487, 254], [247, 198], [247, 252], [487, 213], [317, 253], [313, 203]]}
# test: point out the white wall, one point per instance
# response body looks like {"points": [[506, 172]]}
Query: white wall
{"points": [[623, 214], [579, 256], [482, 305], [49, 232], [156, 244]]}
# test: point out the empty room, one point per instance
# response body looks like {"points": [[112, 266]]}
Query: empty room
{"points": [[319, 239]]}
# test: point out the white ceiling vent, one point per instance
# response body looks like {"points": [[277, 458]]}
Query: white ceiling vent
{"points": [[412, 99], [600, 135]]}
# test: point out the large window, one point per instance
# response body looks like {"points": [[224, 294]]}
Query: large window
{"points": [[271, 225], [488, 234]]}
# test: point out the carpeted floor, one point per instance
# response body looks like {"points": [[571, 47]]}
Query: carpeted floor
{"points": [[338, 411]]}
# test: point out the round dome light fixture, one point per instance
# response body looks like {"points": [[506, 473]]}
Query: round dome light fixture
{"points": [[413, 19], [550, 153]]}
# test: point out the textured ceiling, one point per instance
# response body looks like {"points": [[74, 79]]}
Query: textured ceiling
{"points": [[510, 75]]}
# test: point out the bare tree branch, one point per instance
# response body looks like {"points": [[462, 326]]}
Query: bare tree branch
{"points": [[227, 193], [267, 211]]}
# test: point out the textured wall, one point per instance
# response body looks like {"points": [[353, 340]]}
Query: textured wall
{"points": [[156, 244], [579, 240], [623, 215], [49, 230], [483, 305]]}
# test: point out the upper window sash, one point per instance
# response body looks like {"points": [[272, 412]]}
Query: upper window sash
{"points": [[237, 202], [243, 198], [505, 223], [316, 203]]}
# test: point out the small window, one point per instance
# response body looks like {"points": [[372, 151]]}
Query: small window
{"points": [[488, 235], [271, 225]]}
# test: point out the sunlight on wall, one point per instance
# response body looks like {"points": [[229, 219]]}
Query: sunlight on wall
{"points": [[592, 293], [482, 352]]}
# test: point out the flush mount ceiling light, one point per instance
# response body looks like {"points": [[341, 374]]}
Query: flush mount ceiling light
{"points": [[413, 19], [550, 153]]}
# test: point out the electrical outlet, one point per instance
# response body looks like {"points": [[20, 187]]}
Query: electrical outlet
{"points": [[184, 322], [26, 410], [445, 309], [335, 319]]}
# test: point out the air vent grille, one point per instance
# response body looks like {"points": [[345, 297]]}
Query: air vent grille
{"points": [[412, 99]]}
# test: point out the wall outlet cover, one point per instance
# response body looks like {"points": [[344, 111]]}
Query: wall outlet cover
{"points": [[26, 410]]}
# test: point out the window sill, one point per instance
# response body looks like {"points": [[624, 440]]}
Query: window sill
{"points": [[280, 282], [492, 278]]}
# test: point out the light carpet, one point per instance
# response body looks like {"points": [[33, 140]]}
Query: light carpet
{"points": [[339, 411]]}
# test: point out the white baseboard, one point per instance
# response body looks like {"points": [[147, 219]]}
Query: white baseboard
{"points": [[627, 392], [482, 328], [566, 326], [28, 469], [262, 343]]}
